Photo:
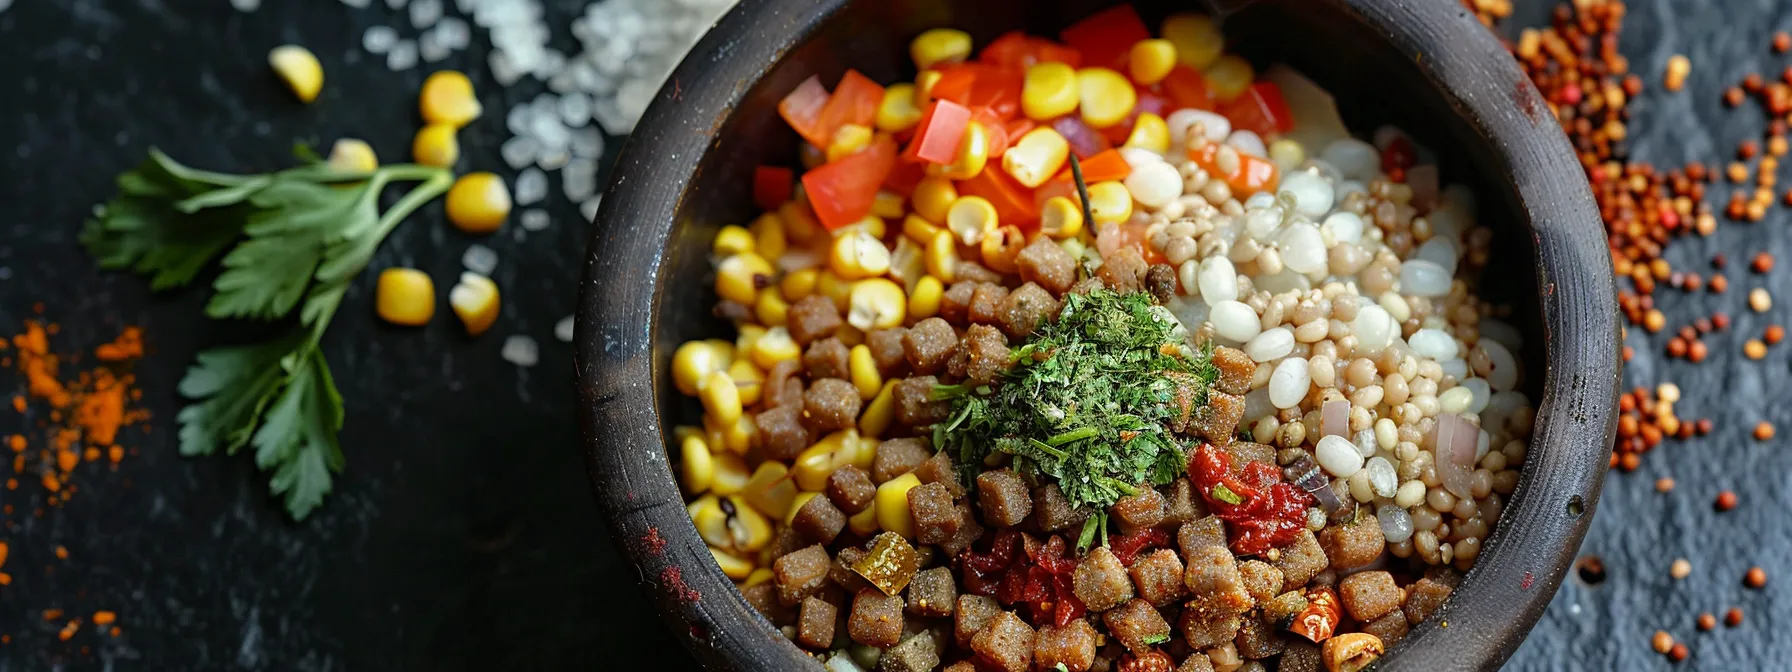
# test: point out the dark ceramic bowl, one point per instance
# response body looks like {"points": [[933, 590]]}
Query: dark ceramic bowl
{"points": [[1427, 66]]}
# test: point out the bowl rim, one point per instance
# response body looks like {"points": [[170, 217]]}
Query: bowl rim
{"points": [[1522, 563]]}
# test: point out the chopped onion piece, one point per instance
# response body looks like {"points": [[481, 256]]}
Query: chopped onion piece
{"points": [[1335, 418], [1455, 450], [1316, 119]]}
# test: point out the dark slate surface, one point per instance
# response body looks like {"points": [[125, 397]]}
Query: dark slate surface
{"points": [[464, 535]]}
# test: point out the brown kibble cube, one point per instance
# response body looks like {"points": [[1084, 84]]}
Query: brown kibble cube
{"points": [[1257, 640], [1100, 581], [818, 521], [1369, 595], [1390, 628], [1158, 575], [986, 354], [830, 404], [815, 624], [915, 405], [782, 386], [955, 304], [1182, 506], [1003, 497], [814, 317], [782, 434], [1072, 646], [1044, 262], [851, 489], [786, 541], [1139, 512], [1301, 560], [1026, 308], [986, 303], [1005, 643], [897, 457], [842, 572], [1137, 625], [1206, 532], [970, 614], [1212, 575], [932, 593], [939, 469], [876, 619], [827, 358], [886, 350], [1302, 656], [1423, 598], [801, 574], [1198, 662], [969, 531], [1054, 512], [918, 653], [1261, 579], [763, 597], [1243, 453], [1353, 544], [929, 344], [968, 270], [961, 666], [936, 519], [1204, 626], [1236, 370], [1124, 270], [1218, 418]]}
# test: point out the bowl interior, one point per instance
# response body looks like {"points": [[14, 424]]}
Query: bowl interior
{"points": [[1431, 71]]}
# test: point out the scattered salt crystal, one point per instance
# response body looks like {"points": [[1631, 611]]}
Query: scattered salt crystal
{"points": [[378, 39], [1303, 249], [246, 5], [534, 220], [563, 329], [587, 143], [430, 47], [521, 351], [352, 4], [518, 118], [1433, 343], [425, 13], [1423, 278], [395, 4], [403, 56], [531, 187], [553, 158], [519, 152], [579, 179], [453, 32], [503, 69], [575, 109], [479, 259], [1396, 523], [588, 209]]}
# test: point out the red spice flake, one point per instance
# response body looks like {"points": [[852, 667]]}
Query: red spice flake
{"points": [[1733, 617], [69, 630], [1781, 42], [61, 552], [1762, 263], [652, 541], [1774, 334], [1678, 653], [1733, 97], [52, 614], [673, 579], [1707, 621], [1755, 578], [104, 617], [1726, 500]]}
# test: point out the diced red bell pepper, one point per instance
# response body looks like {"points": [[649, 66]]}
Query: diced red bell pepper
{"points": [[955, 84], [1260, 110], [1127, 547], [997, 88], [1106, 37], [997, 130], [1186, 88], [1014, 203], [771, 186], [1251, 175], [1019, 127], [938, 133], [842, 191], [1084, 141], [904, 177], [802, 108], [1399, 155], [1017, 49], [855, 101]]}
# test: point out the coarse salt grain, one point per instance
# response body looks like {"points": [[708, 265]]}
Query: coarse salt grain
{"points": [[563, 329], [521, 351], [479, 259], [534, 220]]}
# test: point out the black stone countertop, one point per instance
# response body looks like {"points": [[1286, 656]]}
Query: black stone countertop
{"points": [[463, 534]]}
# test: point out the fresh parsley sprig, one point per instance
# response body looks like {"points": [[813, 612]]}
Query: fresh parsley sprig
{"points": [[291, 242]]}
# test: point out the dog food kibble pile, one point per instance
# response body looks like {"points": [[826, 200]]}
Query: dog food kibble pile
{"points": [[1105, 352]]}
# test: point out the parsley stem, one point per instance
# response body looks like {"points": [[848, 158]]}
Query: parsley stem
{"points": [[1049, 449], [1077, 434], [1120, 485], [435, 183]]}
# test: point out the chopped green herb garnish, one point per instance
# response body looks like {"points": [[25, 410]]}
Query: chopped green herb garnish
{"points": [[1089, 403], [1157, 638], [1225, 494]]}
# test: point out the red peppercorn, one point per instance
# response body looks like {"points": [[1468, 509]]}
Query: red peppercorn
{"points": [[1781, 42], [1718, 260], [1676, 347], [1726, 500], [1733, 97], [1696, 352], [1720, 320], [1733, 617], [1755, 578], [1752, 82], [1775, 333], [1707, 621], [1678, 653], [1704, 426], [1748, 149], [1762, 263]]}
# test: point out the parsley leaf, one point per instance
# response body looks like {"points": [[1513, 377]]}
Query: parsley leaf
{"points": [[291, 242]]}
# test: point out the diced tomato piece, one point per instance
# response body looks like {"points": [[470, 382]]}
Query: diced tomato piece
{"points": [[855, 101], [1252, 174], [955, 84], [802, 108], [1014, 203], [1106, 37], [1400, 154], [997, 128], [1016, 49], [904, 177], [938, 133], [997, 88], [1260, 110], [843, 190], [771, 186], [1084, 141], [1186, 88], [1019, 127], [1103, 167]]}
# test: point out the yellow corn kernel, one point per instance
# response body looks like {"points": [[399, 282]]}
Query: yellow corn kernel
{"points": [[1038, 156], [971, 218], [864, 523], [768, 236], [775, 346], [862, 368], [942, 256], [1106, 97], [721, 399], [760, 575], [770, 489], [723, 347], [940, 45], [734, 567], [770, 308], [892, 505], [436, 145], [1151, 60], [858, 255], [405, 296], [920, 230], [811, 156], [898, 111], [799, 223], [731, 240], [1001, 249], [1198, 41], [748, 380], [812, 467], [681, 432], [740, 436], [692, 363], [448, 98], [1229, 76], [848, 141], [353, 155], [749, 529], [849, 335], [1049, 91], [697, 466], [869, 224], [887, 205], [714, 434], [1061, 217], [837, 289], [1150, 132], [712, 523], [798, 285], [1287, 154], [973, 154], [739, 277], [749, 334], [924, 302], [876, 303], [906, 264], [478, 203], [299, 68], [1109, 202], [730, 474], [932, 197], [475, 301], [880, 412], [860, 453], [797, 505], [924, 81]]}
